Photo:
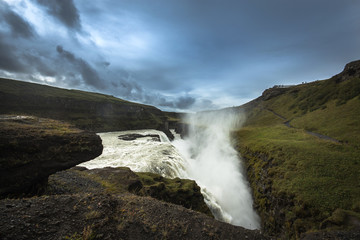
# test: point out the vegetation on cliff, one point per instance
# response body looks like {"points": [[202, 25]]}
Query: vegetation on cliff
{"points": [[108, 180], [301, 147]]}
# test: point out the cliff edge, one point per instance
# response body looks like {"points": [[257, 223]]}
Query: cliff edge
{"points": [[33, 148]]}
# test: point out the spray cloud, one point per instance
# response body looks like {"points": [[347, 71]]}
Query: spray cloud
{"points": [[216, 166]]}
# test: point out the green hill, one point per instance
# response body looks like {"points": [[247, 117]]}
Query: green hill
{"points": [[301, 146], [86, 110]]}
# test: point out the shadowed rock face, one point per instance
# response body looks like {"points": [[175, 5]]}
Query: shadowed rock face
{"points": [[34, 148]]}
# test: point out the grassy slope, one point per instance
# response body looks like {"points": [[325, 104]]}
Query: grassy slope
{"points": [[86, 110], [317, 176]]}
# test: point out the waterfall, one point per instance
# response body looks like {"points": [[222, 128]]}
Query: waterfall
{"points": [[140, 154], [216, 167], [206, 156]]}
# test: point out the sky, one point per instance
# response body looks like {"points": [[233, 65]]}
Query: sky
{"points": [[178, 55]]}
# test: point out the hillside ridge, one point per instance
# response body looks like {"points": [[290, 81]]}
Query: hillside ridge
{"points": [[301, 147], [86, 110]]}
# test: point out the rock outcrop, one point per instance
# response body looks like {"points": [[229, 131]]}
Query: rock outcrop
{"points": [[118, 180], [351, 70], [182, 129], [34, 148], [273, 92]]}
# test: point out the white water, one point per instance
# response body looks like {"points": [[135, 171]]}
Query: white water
{"points": [[216, 167], [140, 155], [206, 156]]}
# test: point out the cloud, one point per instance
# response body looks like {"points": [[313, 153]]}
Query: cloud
{"points": [[89, 74], [184, 102], [9, 60], [176, 54], [18, 26], [180, 103], [63, 10]]}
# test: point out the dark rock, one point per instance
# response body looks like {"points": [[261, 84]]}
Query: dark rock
{"points": [[167, 133], [102, 216], [269, 206], [134, 136], [351, 69], [273, 92], [182, 129], [34, 148]]}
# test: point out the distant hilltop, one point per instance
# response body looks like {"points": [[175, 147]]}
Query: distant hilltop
{"points": [[351, 70], [282, 86]]}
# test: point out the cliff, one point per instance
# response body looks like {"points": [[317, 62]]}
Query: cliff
{"points": [[33, 148]]}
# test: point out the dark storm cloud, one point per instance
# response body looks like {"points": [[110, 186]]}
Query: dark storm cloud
{"points": [[15, 60], [19, 27], [39, 65], [184, 102], [180, 103], [19, 30], [89, 74], [63, 10], [236, 41], [15, 26], [9, 60]]}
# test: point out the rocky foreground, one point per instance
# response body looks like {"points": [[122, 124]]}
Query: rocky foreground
{"points": [[110, 203], [107, 216]]}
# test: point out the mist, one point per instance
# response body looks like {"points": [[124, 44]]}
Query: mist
{"points": [[216, 166]]}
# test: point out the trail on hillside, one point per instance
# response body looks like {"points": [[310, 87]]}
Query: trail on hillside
{"points": [[287, 124]]}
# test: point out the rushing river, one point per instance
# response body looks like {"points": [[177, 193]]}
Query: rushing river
{"points": [[209, 160]]}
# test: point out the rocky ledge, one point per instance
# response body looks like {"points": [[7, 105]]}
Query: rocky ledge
{"points": [[80, 180], [34, 148]]}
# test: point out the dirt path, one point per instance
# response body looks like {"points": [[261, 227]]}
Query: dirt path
{"points": [[287, 124]]}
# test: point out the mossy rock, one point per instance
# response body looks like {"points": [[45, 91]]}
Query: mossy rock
{"points": [[120, 180]]}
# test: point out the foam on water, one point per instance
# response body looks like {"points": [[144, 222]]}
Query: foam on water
{"points": [[206, 157], [140, 155]]}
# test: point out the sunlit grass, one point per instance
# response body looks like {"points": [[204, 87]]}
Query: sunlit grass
{"points": [[321, 173]]}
